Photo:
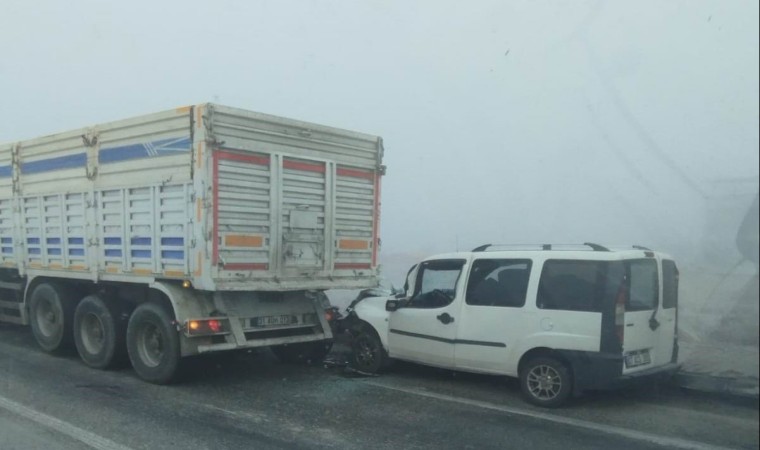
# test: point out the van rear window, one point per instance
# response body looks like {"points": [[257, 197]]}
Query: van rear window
{"points": [[644, 285], [573, 285], [498, 282], [669, 284]]}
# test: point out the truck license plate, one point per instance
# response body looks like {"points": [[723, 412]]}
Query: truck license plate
{"points": [[639, 358], [268, 321]]}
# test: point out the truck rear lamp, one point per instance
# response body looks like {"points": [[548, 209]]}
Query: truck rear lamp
{"points": [[205, 327]]}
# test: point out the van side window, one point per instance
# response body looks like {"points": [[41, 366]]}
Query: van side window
{"points": [[436, 283], [498, 282], [669, 284], [644, 285], [572, 285]]}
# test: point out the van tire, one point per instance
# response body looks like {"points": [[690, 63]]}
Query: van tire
{"points": [[306, 352], [51, 313], [153, 344], [546, 382], [368, 354], [99, 333]]}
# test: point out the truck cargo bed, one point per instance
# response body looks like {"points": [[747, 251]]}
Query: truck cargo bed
{"points": [[224, 198]]}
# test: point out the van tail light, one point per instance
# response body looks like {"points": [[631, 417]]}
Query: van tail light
{"points": [[674, 357], [620, 300]]}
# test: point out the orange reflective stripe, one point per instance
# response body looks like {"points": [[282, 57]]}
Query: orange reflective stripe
{"points": [[240, 240], [174, 273], [353, 244]]}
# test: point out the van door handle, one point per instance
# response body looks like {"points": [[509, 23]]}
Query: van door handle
{"points": [[445, 318], [629, 324]]}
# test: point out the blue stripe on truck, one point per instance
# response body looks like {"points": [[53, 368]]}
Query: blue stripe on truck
{"points": [[172, 254], [57, 163], [161, 147]]}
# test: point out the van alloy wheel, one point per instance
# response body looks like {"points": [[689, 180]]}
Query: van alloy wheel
{"points": [[546, 381], [368, 352]]}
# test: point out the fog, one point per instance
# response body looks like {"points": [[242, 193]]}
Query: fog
{"points": [[503, 121]]}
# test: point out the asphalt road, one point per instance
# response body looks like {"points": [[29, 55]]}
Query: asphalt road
{"points": [[251, 401]]}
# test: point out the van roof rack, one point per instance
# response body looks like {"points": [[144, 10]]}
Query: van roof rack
{"points": [[485, 247]]}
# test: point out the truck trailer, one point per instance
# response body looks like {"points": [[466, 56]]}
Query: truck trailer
{"points": [[200, 229]]}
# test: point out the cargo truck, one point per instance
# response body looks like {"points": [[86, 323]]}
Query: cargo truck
{"points": [[200, 229]]}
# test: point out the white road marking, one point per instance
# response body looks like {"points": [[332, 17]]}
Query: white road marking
{"points": [[593, 426], [83, 436]]}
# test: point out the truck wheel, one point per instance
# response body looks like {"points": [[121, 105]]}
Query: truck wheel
{"points": [[546, 382], [307, 352], [51, 309], [368, 353], [153, 344], [99, 333]]}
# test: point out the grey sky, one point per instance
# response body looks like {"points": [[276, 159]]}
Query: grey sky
{"points": [[504, 121]]}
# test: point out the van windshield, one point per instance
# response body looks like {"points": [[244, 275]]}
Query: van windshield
{"points": [[437, 282]]}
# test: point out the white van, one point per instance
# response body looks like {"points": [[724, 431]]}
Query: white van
{"points": [[560, 318]]}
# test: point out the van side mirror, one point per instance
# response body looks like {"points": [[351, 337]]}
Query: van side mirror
{"points": [[394, 304]]}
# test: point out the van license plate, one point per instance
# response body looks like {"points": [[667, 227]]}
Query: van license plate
{"points": [[269, 321], [639, 358]]}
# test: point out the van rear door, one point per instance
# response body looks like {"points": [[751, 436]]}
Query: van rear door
{"points": [[641, 324], [668, 314]]}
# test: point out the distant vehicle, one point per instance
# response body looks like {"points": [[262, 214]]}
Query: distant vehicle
{"points": [[195, 230], [560, 318]]}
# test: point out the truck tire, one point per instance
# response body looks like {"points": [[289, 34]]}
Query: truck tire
{"points": [[99, 333], [153, 344], [546, 382], [51, 311], [306, 352], [368, 354]]}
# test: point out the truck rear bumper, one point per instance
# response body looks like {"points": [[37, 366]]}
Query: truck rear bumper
{"points": [[226, 346]]}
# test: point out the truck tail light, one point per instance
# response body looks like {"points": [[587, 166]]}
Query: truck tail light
{"points": [[205, 327], [215, 326]]}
